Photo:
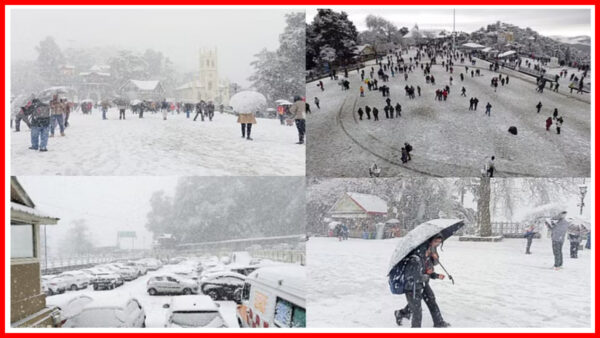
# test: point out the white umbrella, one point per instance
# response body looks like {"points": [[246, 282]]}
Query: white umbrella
{"points": [[283, 102], [248, 102], [422, 233]]}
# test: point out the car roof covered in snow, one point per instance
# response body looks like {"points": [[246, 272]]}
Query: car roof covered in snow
{"points": [[193, 302], [225, 273], [145, 85], [371, 203], [109, 303], [292, 277]]}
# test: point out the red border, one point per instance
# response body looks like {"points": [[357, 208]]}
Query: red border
{"points": [[6, 170]]}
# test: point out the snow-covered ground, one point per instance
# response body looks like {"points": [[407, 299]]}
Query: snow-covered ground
{"points": [[448, 140], [152, 146], [497, 285], [153, 305]]}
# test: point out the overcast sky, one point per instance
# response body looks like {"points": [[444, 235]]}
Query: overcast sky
{"points": [[177, 33], [563, 21], [107, 204]]}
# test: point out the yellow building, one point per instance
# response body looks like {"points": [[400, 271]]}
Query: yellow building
{"points": [[208, 86]]}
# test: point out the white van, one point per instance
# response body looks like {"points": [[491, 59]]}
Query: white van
{"points": [[274, 296]]}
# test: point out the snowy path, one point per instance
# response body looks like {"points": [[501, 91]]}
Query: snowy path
{"points": [[448, 139], [151, 146], [153, 305], [496, 285]]}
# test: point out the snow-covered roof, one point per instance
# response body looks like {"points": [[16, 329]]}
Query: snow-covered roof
{"points": [[473, 45], [505, 54], [292, 277], [191, 84], [360, 48], [16, 208], [193, 302], [94, 72], [145, 85], [370, 203], [486, 49]]}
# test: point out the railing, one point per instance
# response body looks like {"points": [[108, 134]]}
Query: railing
{"points": [[59, 264], [284, 256]]}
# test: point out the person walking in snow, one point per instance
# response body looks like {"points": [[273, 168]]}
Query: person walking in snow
{"points": [[548, 123], [558, 124], [539, 106], [104, 105], [529, 235], [40, 125], [418, 272], [298, 110], [558, 225], [475, 102], [317, 102], [375, 114], [463, 92], [408, 148], [398, 110], [362, 91], [488, 109], [491, 167], [368, 112]]}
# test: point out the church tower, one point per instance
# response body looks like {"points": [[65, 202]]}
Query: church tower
{"points": [[209, 75]]}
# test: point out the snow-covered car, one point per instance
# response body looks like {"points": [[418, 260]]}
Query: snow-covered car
{"points": [[139, 267], [243, 270], [53, 285], [177, 260], [151, 264], [75, 280], [125, 272], [223, 285], [70, 307], [171, 284], [107, 280], [113, 312], [193, 311]]}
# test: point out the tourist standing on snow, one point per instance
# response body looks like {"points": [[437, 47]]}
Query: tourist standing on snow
{"points": [[104, 104], [317, 102], [57, 110], [575, 232], [246, 120], [298, 110], [488, 109], [548, 123], [491, 167], [539, 106], [558, 225], [529, 234], [419, 270]]}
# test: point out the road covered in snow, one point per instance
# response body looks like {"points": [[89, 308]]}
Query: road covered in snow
{"points": [[447, 138], [497, 285], [152, 146]]}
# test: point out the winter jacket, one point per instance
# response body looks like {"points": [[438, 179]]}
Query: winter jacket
{"points": [[40, 116], [298, 109], [246, 118], [559, 229], [419, 269]]}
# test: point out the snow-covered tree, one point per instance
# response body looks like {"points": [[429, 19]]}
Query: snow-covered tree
{"points": [[50, 59], [334, 30], [280, 74]]}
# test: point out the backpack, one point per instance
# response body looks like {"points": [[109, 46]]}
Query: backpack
{"points": [[396, 277]]}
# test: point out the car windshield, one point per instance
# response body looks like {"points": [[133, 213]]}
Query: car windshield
{"points": [[196, 318]]}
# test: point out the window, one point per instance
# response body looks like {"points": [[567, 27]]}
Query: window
{"points": [[22, 240], [246, 292], [288, 314], [171, 279]]}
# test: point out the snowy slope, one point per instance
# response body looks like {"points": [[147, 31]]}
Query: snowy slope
{"points": [[151, 146], [497, 285], [448, 139]]}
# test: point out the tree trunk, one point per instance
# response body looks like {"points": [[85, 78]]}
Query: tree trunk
{"points": [[483, 208]]}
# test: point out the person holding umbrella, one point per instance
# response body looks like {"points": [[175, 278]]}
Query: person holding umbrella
{"points": [[412, 267]]}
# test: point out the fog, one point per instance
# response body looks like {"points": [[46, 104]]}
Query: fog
{"points": [[177, 33], [546, 21]]}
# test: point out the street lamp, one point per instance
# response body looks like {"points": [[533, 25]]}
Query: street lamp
{"points": [[582, 192]]}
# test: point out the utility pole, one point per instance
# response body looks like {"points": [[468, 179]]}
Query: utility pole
{"points": [[453, 30]]}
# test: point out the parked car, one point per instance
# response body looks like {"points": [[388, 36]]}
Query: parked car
{"points": [[273, 296], [126, 273], [222, 285], [139, 267], [243, 270], [75, 280], [107, 280], [113, 312], [177, 260], [70, 307], [193, 311], [151, 264], [52, 285], [171, 284]]}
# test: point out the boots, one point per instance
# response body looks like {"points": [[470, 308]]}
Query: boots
{"points": [[442, 324], [400, 314]]}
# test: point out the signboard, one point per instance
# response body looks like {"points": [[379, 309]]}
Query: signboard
{"points": [[126, 234]]}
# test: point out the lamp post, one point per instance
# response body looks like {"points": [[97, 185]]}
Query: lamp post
{"points": [[582, 192]]}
